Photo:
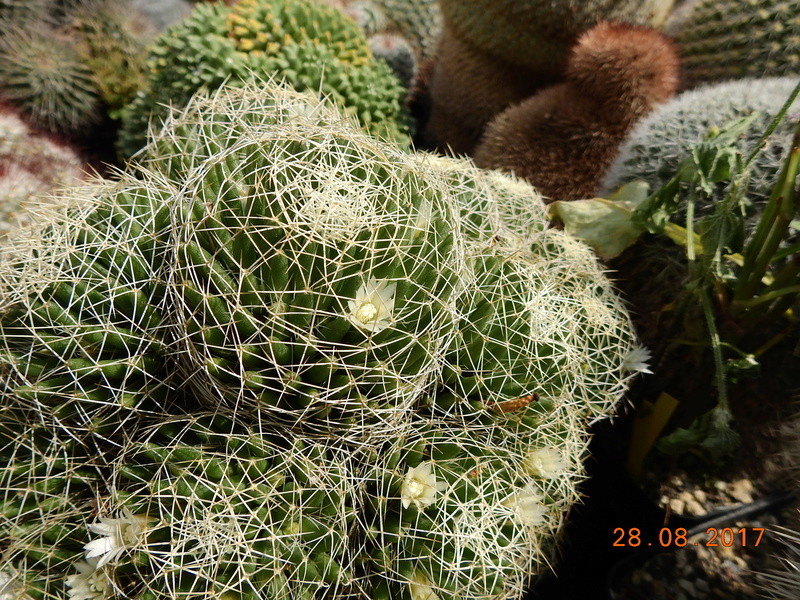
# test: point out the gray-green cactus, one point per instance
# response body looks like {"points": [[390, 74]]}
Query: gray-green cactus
{"points": [[312, 47], [660, 141], [270, 248], [419, 21], [736, 39]]}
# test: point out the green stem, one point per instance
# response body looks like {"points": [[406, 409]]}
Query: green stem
{"points": [[772, 226], [716, 349]]}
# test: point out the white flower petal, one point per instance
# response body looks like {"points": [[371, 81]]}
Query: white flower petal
{"points": [[636, 361], [548, 463], [420, 486]]}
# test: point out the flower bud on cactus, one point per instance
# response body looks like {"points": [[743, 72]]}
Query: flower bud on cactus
{"points": [[312, 47], [564, 137], [736, 39]]}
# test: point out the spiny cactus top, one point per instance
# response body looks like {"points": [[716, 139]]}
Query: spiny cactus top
{"points": [[312, 47], [659, 142], [734, 39], [316, 289], [538, 33]]}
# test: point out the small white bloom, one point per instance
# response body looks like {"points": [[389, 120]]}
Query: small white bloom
{"points": [[420, 486], [527, 506], [420, 588], [544, 462], [90, 583], [373, 305], [119, 535], [636, 361]]}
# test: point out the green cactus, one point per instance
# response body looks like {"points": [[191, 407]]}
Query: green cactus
{"points": [[418, 21], [734, 39], [233, 512], [312, 46], [83, 339], [47, 483], [42, 73], [537, 34], [455, 511], [659, 142], [316, 270], [31, 165]]}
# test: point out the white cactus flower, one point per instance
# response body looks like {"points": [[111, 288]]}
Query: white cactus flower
{"points": [[90, 583], [527, 506], [119, 534], [373, 305], [420, 486], [548, 463], [636, 361], [420, 588]]}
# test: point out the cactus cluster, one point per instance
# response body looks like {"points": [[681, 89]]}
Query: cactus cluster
{"points": [[294, 362], [736, 39], [311, 46], [616, 74], [495, 54]]}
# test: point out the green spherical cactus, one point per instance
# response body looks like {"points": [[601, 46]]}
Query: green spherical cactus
{"points": [[47, 483], [228, 511], [84, 341], [455, 511], [42, 73], [537, 34], [312, 47], [734, 39], [316, 268], [658, 143], [31, 165], [419, 21]]}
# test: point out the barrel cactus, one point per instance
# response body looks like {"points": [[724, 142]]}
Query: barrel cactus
{"points": [[313, 47], [261, 348], [736, 39], [659, 142]]}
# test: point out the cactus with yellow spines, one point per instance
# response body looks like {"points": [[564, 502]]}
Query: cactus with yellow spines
{"points": [[313, 47]]}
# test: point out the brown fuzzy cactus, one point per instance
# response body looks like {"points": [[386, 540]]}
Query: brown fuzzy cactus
{"points": [[469, 87], [563, 138]]}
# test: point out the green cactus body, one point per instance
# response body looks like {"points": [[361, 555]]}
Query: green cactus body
{"points": [[232, 512], [317, 269], [659, 143], [42, 73], [47, 486], [459, 512], [537, 34], [311, 46], [83, 336], [735, 39], [512, 348]]}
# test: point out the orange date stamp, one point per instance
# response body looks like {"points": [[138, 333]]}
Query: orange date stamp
{"points": [[678, 537]]}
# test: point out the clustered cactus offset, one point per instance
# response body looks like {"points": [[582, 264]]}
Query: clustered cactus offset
{"points": [[285, 358]]}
